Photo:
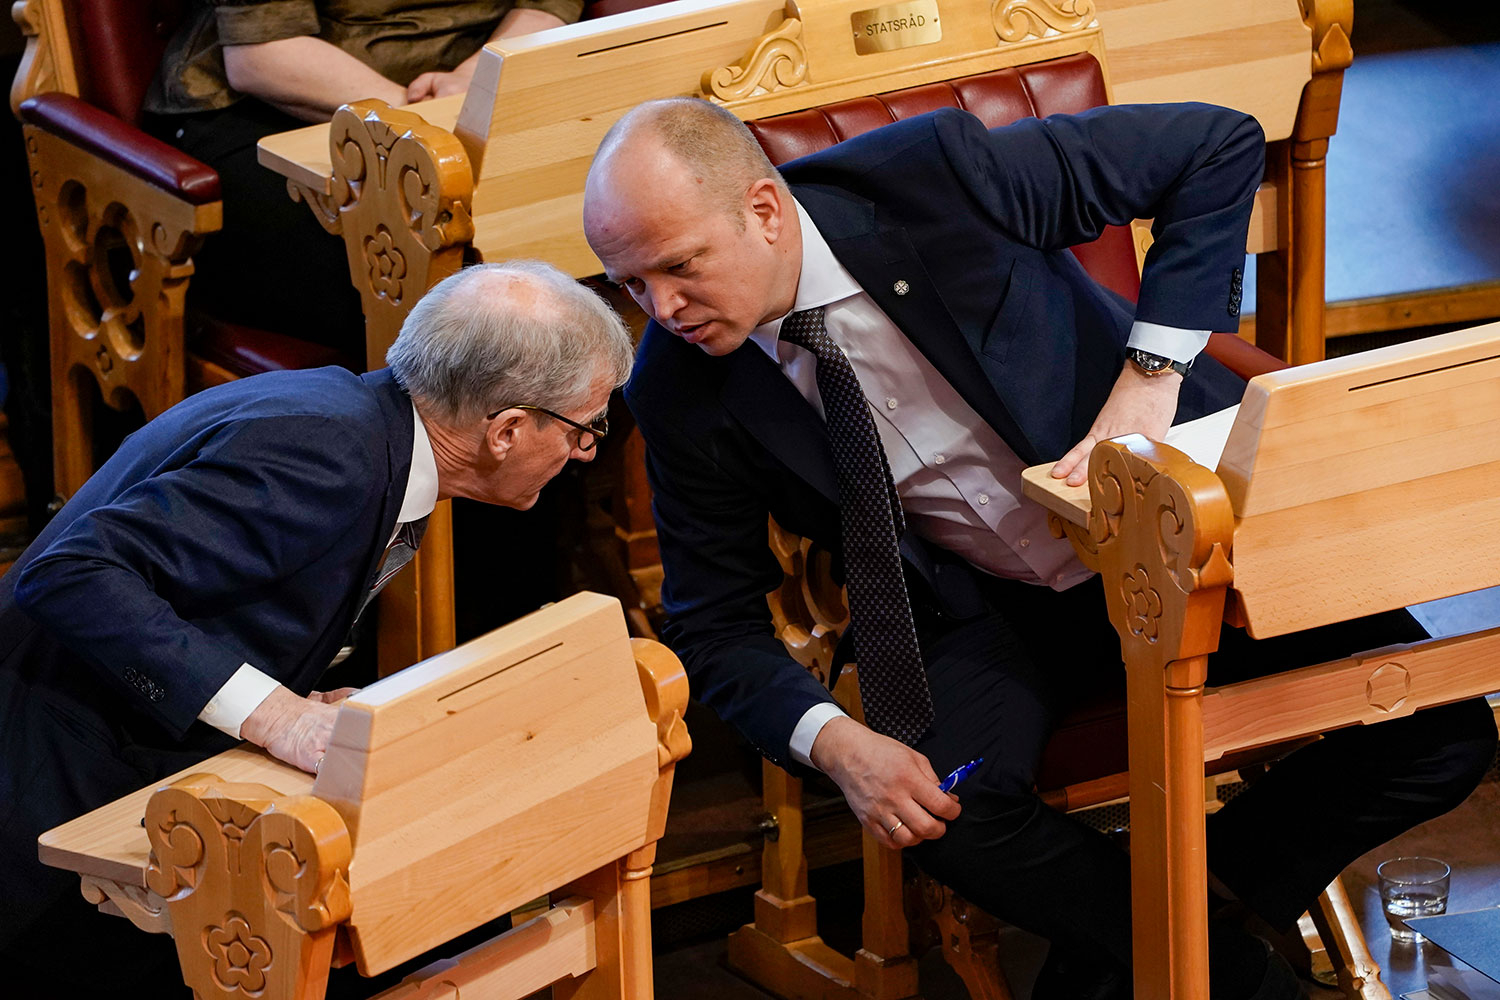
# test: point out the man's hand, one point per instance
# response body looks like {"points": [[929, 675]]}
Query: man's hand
{"points": [[439, 84], [295, 729], [884, 782], [1138, 404]]}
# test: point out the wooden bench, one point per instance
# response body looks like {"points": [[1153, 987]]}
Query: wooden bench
{"points": [[1345, 488], [536, 759]]}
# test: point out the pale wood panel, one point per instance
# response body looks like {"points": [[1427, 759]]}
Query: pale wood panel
{"points": [[110, 841], [1253, 55], [547, 707], [1306, 566], [1361, 690], [523, 960]]}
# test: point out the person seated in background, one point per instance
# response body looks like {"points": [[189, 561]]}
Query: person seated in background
{"points": [[193, 592], [239, 70]]}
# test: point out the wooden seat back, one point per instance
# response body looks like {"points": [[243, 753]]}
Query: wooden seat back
{"points": [[522, 759], [536, 758], [1394, 452]]}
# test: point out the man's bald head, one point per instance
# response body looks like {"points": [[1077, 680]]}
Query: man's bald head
{"points": [[717, 149]]}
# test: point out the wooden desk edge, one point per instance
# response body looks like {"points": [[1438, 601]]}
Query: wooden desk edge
{"points": [[1071, 503], [302, 155]]}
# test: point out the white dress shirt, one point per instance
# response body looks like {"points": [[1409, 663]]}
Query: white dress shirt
{"points": [[959, 482], [248, 686]]}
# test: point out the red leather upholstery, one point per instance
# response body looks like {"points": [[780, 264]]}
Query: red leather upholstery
{"points": [[1244, 359], [245, 350], [114, 141], [119, 45], [594, 9], [1059, 86]]}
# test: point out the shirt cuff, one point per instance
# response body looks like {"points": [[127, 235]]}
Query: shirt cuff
{"points": [[808, 728], [1167, 341], [242, 694]]}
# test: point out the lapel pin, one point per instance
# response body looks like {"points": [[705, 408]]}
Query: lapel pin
{"points": [[901, 287]]}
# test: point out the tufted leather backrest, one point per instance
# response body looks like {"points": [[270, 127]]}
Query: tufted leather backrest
{"points": [[1058, 86], [117, 45]]}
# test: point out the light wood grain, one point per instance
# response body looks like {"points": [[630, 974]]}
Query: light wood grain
{"points": [[516, 964]]}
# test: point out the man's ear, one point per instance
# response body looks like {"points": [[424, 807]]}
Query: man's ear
{"points": [[502, 433], [764, 200]]}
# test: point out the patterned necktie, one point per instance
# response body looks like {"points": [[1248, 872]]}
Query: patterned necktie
{"points": [[397, 555], [892, 681]]}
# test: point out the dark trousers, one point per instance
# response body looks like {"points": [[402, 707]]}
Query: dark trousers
{"points": [[272, 266], [1000, 682]]}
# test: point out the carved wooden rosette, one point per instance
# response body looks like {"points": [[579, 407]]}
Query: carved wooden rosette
{"points": [[400, 195], [1017, 20], [119, 255], [777, 61], [256, 885], [1163, 526], [808, 611], [969, 937]]}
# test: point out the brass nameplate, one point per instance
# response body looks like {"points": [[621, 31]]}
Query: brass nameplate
{"points": [[896, 26]]}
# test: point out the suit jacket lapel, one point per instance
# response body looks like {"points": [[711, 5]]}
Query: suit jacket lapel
{"points": [[762, 399], [883, 259]]}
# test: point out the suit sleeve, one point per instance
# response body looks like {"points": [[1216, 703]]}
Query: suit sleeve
{"points": [[124, 584], [1057, 182], [715, 550]]}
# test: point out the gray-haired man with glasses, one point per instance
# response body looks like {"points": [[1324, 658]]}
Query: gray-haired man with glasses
{"points": [[195, 589]]}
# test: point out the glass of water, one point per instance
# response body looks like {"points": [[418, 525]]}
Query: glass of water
{"points": [[1412, 887]]}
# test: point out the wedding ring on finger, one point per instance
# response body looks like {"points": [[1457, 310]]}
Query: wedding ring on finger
{"points": [[318, 764], [892, 831]]}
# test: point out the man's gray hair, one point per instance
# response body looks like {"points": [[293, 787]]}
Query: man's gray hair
{"points": [[494, 335]]}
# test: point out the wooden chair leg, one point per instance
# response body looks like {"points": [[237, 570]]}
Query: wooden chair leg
{"points": [[1338, 926], [781, 951], [884, 967], [969, 937]]}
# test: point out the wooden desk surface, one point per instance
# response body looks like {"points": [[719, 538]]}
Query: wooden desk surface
{"points": [[303, 155], [1071, 503], [111, 843]]}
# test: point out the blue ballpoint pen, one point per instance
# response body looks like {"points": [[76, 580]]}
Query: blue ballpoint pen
{"points": [[959, 774]]}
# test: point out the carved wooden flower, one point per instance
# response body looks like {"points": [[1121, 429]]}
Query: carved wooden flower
{"points": [[1142, 603], [240, 958], [387, 264]]}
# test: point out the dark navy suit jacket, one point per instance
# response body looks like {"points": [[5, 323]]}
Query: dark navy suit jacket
{"points": [[243, 525], [975, 224]]}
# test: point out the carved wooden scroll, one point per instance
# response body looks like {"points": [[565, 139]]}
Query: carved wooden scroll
{"points": [[777, 61], [400, 195], [255, 883], [809, 610], [47, 63], [1017, 20], [119, 255]]}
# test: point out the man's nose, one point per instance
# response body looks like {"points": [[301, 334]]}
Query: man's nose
{"points": [[666, 301]]}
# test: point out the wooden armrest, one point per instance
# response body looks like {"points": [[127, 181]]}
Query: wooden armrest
{"points": [[123, 145], [1241, 357]]}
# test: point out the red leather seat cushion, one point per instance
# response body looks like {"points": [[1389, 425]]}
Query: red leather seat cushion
{"points": [[246, 350], [1059, 86]]}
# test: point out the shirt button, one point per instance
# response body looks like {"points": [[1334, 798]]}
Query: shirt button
{"points": [[890, 403], [984, 498], [1025, 542], [939, 459]]}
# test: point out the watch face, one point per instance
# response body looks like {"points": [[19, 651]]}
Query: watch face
{"points": [[1149, 362]]}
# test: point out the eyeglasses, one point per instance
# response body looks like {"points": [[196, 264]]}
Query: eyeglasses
{"points": [[592, 433]]}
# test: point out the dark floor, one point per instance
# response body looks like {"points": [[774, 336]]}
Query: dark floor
{"points": [[690, 939]]}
